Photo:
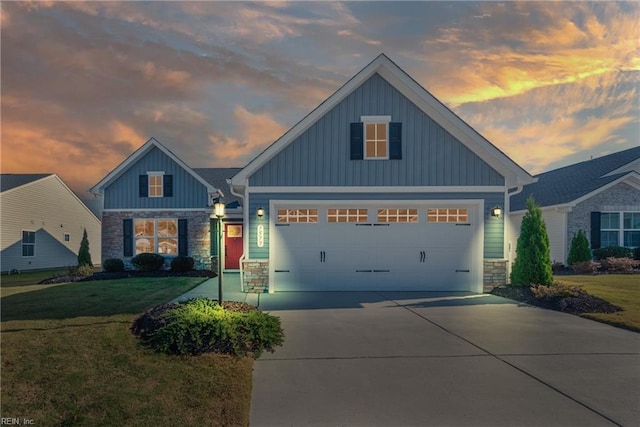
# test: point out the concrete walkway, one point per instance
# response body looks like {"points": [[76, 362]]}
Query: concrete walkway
{"points": [[437, 359]]}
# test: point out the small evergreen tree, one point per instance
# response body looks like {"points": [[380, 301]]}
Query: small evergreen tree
{"points": [[533, 261], [84, 257], [579, 250]]}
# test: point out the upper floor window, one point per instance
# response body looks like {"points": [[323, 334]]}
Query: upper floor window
{"points": [[155, 184], [28, 243], [376, 138]]}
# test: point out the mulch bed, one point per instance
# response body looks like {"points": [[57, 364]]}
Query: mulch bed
{"points": [[581, 304], [103, 275]]}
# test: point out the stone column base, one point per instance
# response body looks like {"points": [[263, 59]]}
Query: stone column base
{"points": [[495, 273], [256, 275]]}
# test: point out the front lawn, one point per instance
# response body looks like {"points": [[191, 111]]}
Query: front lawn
{"points": [[622, 290], [69, 358]]}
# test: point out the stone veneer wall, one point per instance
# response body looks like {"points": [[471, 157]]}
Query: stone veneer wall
{"points": [[619, 198], [495, 273], [256, 275], [199, 232]]}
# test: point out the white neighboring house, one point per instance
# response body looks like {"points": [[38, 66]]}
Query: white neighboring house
{"points": [[42, 223]]}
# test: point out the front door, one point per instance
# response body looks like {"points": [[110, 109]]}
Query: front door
{"points": [[232, 246]]}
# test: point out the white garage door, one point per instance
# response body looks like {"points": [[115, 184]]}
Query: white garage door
{"points": [[367, 247]]}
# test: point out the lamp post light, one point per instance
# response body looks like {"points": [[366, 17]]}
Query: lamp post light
{"points": [[218, 212]]}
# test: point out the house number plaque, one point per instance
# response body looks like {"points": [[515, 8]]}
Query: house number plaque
{"points": [[260, 236]]}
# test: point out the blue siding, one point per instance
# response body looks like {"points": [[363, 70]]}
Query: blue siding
{"points": [[187, 191], [493, 227], [320, 156]]}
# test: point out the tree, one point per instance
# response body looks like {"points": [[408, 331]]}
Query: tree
{"points": [[579, 250], [533, 261], [84, 257]]}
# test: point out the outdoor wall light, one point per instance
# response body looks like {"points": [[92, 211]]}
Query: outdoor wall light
{"points": [[497, 211], [260, 212], [218, 209]]}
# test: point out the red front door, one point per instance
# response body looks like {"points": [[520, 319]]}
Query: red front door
{"points": [[232, 246]]}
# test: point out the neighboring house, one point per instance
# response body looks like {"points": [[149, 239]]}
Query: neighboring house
{"points": [[381, 187], [42, 223], [599, 196], [153, 202]]}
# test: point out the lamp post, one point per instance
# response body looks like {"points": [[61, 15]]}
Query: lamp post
{"points": [[218, 211]]}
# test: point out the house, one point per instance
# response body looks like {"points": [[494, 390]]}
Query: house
{"points": [[154, 202], [42, 223], [599, 196], [381, 187]]}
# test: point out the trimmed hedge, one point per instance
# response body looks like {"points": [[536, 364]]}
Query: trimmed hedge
{"points": [[113, 265], [201, 325], [148, 262], [612, 252], [182, 263]]}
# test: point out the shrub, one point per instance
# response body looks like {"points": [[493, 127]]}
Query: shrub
{"points": [[202, 326], [533, 260], [557, 266], [612, 252], [579, 250], [84, 257], [113, 265], [624, 265], [636, 253], [148, 262], [585, 267], [182, 263], [557, 289], [85, 271]]}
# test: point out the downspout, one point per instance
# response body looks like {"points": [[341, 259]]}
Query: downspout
{"points": [[245, 220]]}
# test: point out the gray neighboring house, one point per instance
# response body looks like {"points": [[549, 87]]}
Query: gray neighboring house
{"points": [[600, 196], [42, 223]]}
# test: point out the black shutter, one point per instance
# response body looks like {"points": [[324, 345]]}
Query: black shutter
{"points": [[143, 186], [167, 184], [183, 240], [595, 230], [357, 142], [395, 141], [127, 232]]}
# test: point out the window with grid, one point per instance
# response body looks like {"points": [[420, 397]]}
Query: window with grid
{"points": [[631, 229], [398, 215], [609, 229], [347, 215], [298, 215], [155, 185], [375, 140], [447, 215], [28, 243], [156, 236]]}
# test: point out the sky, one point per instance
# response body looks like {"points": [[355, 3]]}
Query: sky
{"points": [[84, 84]]}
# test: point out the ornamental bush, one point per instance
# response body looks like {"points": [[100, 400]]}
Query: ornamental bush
{"points": [[113, 265], [147, 262], [84, 257], [622, 265], [201, 325], [533, 260], [182, 263], [612, 252], [579, 250]]}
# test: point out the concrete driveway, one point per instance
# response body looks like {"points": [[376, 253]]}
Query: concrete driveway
{"points": [[435, 359]]}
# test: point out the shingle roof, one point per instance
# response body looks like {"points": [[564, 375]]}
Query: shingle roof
{"points": [[571, 182], [11, 180], [218, 178]]}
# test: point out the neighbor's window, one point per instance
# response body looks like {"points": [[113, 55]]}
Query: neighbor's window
{"points": [[609, 229], [347, 215], [447, 215], [376, 136], [631, 229], [28, 243], [620, 229], [67, 237], [298, 215], [155, 185], [156, 236], [397, 215]]}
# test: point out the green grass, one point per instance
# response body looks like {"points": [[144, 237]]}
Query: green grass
{"points": [[622, 290], [30, 277], [68, 358]]}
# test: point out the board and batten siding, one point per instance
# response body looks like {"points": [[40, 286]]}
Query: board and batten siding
{"points": [[430, 156], [48, 208], [123, 192], [493, 227]]}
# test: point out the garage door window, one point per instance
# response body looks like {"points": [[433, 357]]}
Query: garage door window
{"points": [[347, 215], [398, 215], [297, 215], [447, 215]]}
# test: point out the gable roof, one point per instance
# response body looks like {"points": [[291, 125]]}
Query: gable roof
{"points": [[514, 174], [139, 153], [570, 184], [9, 181], [218, 178]]}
